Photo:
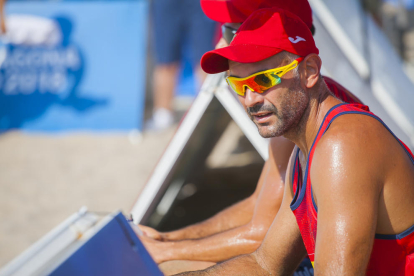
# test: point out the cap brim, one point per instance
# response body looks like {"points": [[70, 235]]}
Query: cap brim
{"points": [[222, 11], [217, 61]]}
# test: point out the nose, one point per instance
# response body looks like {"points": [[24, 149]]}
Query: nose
{"points": [[252, 98]]}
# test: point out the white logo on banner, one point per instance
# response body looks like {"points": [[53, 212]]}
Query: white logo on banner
{"points": [[31, 30], [33, 57]]}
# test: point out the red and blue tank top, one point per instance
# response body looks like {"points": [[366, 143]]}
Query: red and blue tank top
{"points": [[391, 254]]}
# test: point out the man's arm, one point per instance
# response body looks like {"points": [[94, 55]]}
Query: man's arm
{"points": [[347, 192], [231, 217], [243, 239], [280, 253], [236, 215], [262, 204]]}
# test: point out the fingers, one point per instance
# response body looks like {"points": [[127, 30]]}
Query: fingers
{"points": [[150, 232], [155, 248]]}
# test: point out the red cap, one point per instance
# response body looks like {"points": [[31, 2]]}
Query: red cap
{"points": [[237, 11], [265, 33], [223, 11]]}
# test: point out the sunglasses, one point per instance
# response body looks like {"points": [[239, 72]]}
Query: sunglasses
{"points": [[228, 33], [261, 81]]}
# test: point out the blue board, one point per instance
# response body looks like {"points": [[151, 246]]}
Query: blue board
{"points": [[114, 250], [88, 74]]}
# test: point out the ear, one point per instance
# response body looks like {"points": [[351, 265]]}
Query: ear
{"points": [[311, 68]]}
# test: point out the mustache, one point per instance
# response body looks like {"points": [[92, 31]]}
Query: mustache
{"points": [[261, 108]]}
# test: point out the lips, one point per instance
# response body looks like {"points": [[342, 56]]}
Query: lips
{"points": [[262, 117]]}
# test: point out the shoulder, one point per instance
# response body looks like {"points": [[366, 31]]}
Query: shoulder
{"points": [[359, 131], [355, 146], [340, 92], [332, 84]]}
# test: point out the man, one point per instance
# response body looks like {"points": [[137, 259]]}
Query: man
{"points": [[2, 19], [241, 228], [349, 198], [175, 22]]}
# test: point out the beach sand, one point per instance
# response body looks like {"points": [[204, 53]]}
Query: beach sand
{"points": [[46, 178]]}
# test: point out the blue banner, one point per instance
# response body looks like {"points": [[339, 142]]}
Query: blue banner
{"points": [[73, 65]]}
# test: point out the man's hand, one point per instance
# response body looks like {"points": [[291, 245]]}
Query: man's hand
{"points": [[152, 233], [157, 249], [281, 251], [259, 210]]}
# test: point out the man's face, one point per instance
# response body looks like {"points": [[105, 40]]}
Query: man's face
{"points": [[279, 109]]}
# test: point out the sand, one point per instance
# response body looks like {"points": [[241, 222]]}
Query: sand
{"points": [[46, 178]]}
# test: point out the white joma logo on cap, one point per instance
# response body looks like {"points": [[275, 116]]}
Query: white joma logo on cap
{"points": [[298, 38]]}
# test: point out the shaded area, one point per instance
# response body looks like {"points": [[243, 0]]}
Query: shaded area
{"points": [[201, 185]]}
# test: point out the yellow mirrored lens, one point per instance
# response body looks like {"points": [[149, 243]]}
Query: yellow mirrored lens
{"points": [[261, 81], [258, 83], [237, 86], [267, 80]]}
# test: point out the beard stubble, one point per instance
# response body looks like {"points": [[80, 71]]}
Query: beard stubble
{"points": [[293, 104]]}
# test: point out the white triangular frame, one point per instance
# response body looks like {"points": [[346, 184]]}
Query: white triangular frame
{"points": [[214, 86]]}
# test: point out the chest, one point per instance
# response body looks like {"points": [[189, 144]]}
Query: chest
{"points": [[302, 166]]}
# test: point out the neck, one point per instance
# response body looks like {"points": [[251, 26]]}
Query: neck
{"points": [[304, 133]]}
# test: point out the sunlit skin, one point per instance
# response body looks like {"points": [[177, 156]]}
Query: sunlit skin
{"points": [[277, 109], [362, 180], [292, 102]]}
